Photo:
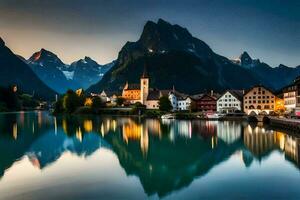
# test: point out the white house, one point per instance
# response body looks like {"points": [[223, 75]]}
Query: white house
{"points": [[230, 101], [179, 101]]}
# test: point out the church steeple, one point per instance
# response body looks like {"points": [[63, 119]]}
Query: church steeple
{"points": [[145, 72], [144, 86]]}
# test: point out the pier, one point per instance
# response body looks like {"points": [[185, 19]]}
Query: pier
{"points": [[290, 124]]}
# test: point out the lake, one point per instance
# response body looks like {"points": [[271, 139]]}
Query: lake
{"points": [[89, 157]]}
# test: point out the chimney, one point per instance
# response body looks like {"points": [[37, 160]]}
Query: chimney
{"points": [[211, 93], [243, 91]]}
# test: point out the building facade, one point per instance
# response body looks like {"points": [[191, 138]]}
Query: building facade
{"points": [[206, 102], [291, 96], [179, 101], [259, 100], [230, 101]]}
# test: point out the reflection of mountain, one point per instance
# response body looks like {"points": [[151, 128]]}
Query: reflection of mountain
{"points": [[169, 165], [17, 133], [48, 148]]}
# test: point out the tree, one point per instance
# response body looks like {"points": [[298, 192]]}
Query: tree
{"points": [[138, 108], [120, 101], [58, 106], [97, 103], [164, 104], [28, 101], [193, 106], [71, 101]]}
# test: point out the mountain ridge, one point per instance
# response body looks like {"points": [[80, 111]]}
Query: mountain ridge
{"points": [[204, 69]]}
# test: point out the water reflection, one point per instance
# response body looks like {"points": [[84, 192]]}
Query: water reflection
{"points": [[165, 155]]}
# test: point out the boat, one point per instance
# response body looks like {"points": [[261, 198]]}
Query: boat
{"points": [[213, 116], [168, 116]]}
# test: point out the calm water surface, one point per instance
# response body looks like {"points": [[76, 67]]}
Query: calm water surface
{"points": [[44, 157]]}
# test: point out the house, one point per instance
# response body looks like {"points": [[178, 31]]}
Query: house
{"points": [[230, 101], [259, 100], [291, 97], [206, 102], [179, 101], [153, 99]]}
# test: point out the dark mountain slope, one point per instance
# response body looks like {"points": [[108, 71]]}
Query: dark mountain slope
{"points": [[15, 71]]}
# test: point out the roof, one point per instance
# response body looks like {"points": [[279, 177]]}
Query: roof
{"points": [[153, 95], [197, 96], [133, 86], [179, 95], [266, 88], [200, 96], [239, 94]]}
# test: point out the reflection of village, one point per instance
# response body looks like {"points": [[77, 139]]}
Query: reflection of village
{"points": [[258, 140]]}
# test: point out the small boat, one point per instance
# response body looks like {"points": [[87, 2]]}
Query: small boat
{"points": [[212, 116], [168, 116]]}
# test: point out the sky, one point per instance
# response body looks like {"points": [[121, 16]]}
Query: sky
{"points": [[266, 29]]}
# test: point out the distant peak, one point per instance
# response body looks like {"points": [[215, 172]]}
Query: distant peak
{"points": [[162, 22], [282, 65], [2, 43], [86, 58], [42, 54], [245, 55]]}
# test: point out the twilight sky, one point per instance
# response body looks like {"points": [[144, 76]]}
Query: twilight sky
{"points": [[267, 29]]}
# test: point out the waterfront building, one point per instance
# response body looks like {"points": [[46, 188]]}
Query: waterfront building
{"points": [[206, 102], [259, 100], [179, 101], [291, 96], [230, 101]]}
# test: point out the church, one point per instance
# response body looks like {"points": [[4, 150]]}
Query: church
{"points": [[142, 93], [133, 93]]}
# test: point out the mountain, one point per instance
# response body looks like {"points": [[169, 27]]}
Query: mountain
{"points": [[15, 71], [60, 76], [50, 69], [174, 57], [273, 77], [86, 71]]}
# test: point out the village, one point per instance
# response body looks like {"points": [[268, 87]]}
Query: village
{"points": [[257, 100]]}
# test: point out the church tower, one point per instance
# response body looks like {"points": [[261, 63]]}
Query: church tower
{"points": [[144, 87]]}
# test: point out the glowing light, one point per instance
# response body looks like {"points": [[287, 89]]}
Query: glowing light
{"points": [[88, 102], [88, 125], [15, 131], [79, 134]]}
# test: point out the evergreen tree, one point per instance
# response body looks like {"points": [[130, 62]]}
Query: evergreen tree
{"points": [[164, 104]]}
